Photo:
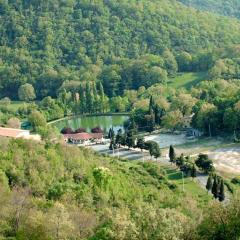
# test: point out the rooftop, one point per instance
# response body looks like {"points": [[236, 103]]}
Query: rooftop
{"points": [[12, 132]]}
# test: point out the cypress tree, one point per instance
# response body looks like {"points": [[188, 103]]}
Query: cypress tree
{"points": [[157, 115], [221, 195], [152, 121], [172, 154], [193, 172], [130, 139], [124, 137], [119, 137], [112, 144], [141, 143], [215, 187], [113, 141], [209, 184], [110, 133], [151, 105]]}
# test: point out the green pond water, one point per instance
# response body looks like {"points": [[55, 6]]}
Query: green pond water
{"points": [[89, 122]]}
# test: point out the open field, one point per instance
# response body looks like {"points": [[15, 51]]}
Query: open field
{"points": [[227, 160], [165, 140], [187, 80], [14, 105], [225, 154], [191, 186]]}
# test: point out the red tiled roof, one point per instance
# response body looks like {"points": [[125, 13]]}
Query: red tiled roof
{"points": [[83, 136], [11, 132]]}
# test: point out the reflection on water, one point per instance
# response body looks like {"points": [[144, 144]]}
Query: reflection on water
{"points": [[89, 122]]}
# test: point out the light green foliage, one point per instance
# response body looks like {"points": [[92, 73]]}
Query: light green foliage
{"points": [[173, 120], [26, 92], [223, 7], [71, 192], [37, 119], [122, 49], [187, 80]]}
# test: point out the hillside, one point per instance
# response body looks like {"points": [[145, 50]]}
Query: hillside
{"points": [[59, 192], [228, 8], [47, 43]]}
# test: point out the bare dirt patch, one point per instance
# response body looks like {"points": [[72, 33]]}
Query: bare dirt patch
{"points": [[226, 159]]}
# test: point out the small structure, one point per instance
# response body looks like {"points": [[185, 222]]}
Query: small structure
{"points": [[84, 138], [187, 121], [192, 132], [18, 133]]}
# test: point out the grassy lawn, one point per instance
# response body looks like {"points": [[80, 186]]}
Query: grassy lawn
{"points": [[15, 105], [190, 186], [187, 80]]}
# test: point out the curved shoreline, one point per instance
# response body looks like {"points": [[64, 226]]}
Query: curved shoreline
{"points": [[89, 115]]}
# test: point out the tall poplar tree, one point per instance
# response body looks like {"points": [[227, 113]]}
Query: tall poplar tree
{"points": [[101, 97], [82, 99], [89, 98], [96, 100]]}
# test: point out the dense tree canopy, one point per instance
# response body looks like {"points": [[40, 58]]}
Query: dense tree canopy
{"points": [[124, 44], [223, 7]]}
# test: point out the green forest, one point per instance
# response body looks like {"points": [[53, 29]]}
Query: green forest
{"points": [[123, 44], [228, 8], [161, 62]]}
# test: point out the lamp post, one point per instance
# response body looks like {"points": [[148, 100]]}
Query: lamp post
{"points": [[183, 181]]}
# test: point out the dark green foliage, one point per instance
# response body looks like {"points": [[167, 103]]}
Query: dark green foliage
{"points": [[193, 171], [172, 154], [50, 44], [180, 160], [204, 163], [215, 187], [119, 137], [236, 180], [209, 184], [110, 133], [130, 139], [153, 148], [223, 7], [221, 195], [140, 143]]}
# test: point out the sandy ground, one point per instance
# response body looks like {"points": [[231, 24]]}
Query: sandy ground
{"points": [[226, 159], [165, 140]]}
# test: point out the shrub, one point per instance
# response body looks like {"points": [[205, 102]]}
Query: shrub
{"points": [[67, 130], [236, 180], [80, 130], [97, 130]]}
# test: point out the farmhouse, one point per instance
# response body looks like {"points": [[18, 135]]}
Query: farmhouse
{"points": [[83, 138]]}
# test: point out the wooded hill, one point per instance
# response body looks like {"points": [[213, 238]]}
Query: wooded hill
{"points": [[47, 43], [228, 8]]}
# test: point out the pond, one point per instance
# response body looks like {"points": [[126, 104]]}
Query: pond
{"points": [[89, 122]]}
